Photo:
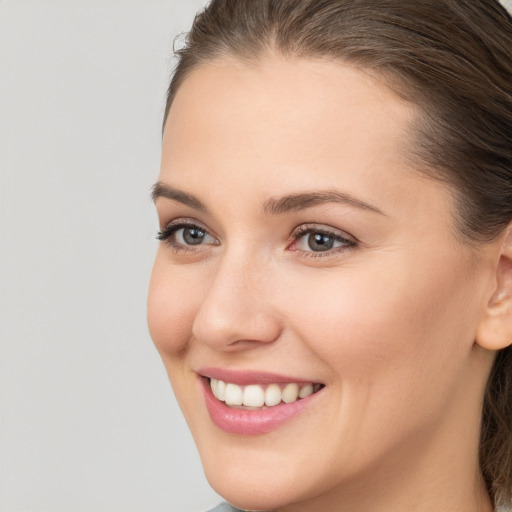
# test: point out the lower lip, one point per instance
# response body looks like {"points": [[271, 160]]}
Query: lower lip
{"points": [[251, 422]]}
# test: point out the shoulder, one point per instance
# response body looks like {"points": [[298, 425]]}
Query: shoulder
{"points": [[224, 507]]}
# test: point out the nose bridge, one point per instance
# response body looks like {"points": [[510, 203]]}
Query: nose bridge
{"points": [[235, 306]]}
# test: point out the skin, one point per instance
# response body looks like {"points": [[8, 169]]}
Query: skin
{"points": [[387, 322]]}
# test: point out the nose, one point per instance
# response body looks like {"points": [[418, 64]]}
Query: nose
{"points": [[237, 312]]}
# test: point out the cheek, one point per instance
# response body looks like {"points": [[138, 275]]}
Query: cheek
{"points": [[172, 305], [393, 319], [396, 343]]}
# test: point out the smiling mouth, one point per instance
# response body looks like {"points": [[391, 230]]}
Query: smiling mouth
{"points": [[258, 396]]}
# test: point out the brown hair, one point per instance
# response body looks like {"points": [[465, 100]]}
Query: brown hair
{"points": [[450, 57]]}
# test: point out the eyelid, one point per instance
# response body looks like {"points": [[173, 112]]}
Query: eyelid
{"points": [[183, 220], [322, 228]]}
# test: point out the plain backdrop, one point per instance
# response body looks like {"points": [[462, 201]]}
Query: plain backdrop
{"points": [[88, 419]]}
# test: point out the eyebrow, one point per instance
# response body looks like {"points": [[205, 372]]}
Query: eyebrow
{"points": [[161, 190], [295, 202], [273, 206]]}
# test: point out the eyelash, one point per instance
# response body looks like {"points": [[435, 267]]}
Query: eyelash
{"points": [[167, 235]]}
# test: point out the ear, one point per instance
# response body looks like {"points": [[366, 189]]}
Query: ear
{"points": [[495, 328]]}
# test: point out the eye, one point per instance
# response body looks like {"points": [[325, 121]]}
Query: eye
{"points": [[192, 236], [312, 239], [182, 235]]}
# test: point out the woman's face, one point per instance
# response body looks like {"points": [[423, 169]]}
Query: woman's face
{"points": [[300, 252]]}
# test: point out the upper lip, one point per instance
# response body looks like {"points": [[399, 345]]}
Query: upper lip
{"points": [[246, 377]]}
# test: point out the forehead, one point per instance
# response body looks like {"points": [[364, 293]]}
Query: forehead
{"points": [[306, 116], [302, 89]]}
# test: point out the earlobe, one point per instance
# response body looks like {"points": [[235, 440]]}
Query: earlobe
{"points": [[495, 328]]}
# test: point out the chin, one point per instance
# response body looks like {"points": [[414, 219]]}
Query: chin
{"points": [[245, 495], [263, 486]]}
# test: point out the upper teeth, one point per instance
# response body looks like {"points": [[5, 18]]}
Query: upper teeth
{"points": [[256, 395]]}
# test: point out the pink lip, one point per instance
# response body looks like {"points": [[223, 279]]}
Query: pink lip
{"points": [[251, 422], [244, 378]]}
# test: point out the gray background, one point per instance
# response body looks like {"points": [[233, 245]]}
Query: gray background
{"points": [[88, 419]]}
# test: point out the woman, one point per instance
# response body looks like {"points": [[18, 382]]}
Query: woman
{"points": [[332, 295]]}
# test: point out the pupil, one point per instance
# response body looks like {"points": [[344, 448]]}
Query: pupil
{"points": [[193, 236], [320, 242]]}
